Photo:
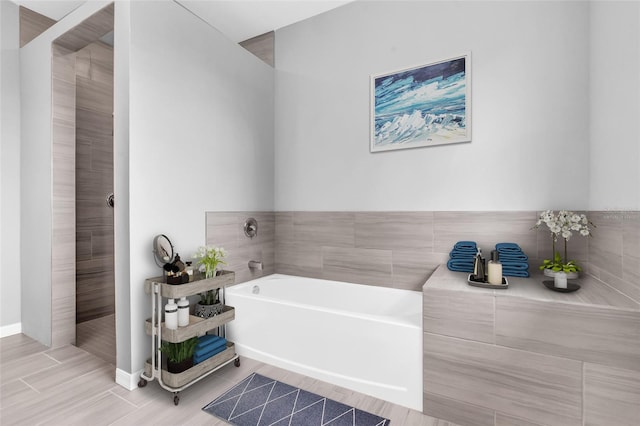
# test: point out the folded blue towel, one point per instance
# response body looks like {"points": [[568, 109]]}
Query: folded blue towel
{"points": [[202, 357], [514, 265], [212, 346], [508, 247], [515, 273], [462, 254], [207, 341], [460, 265], [465, 245], [513, 257]]}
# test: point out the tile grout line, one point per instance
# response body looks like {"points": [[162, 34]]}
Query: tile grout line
{"points": [[49, 356], [125, 400], [37, 391]]}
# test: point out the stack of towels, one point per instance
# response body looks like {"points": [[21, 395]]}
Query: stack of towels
{"points": [[514, 261], [208, 345], [462, 256]]}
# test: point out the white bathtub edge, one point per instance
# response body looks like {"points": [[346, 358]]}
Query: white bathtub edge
{"points": [[324, 375]]}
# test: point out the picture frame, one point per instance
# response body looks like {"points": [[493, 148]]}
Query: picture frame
{"points": [[421, 106]]}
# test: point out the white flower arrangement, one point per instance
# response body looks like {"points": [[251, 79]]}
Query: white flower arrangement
{"points": [[209, 259], [563, 224]]}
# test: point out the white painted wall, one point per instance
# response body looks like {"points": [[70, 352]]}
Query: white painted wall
{"points": [[201, 139], [10, 170], [615, 106], [530, 107]]}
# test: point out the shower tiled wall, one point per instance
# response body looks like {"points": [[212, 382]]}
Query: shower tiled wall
{"points": [[95, 290], [402, 249]]}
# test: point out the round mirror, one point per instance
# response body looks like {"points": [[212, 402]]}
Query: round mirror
{"points": [[163, 249]]}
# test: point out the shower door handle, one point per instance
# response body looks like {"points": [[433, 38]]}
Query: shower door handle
{"points": [[110, 200]]}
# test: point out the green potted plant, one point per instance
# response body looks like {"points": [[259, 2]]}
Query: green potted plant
{"points": [[179, 355], [209, 257], [563, 224]]}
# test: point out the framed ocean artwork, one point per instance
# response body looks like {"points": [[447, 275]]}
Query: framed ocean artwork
{"points": [[426, 105]]}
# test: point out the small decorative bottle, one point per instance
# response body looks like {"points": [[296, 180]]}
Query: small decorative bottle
{"points": [[183, 312], [189, 270], [495, 269], [171, 315]]}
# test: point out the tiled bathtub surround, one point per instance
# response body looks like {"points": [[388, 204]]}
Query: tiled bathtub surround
{"points": [[545, 357], [614, 250], [402, 249], [398, 249], [226, 229], [556, 359]]}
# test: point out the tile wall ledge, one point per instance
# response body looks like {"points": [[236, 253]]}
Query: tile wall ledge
{"points": [[593, 292]]}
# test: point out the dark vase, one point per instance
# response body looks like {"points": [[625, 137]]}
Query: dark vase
{"points": [[207, 311], [179, 367]]}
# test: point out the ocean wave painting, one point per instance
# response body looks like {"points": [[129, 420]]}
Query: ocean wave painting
{"points": [[423, 106]]}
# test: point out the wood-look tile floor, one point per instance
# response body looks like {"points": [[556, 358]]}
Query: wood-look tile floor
{"points": [[70, 386]]}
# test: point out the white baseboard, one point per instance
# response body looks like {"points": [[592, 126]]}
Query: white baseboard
{"points": [[128, 381], [11, 329]]}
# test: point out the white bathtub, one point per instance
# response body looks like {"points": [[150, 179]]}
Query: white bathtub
{"points": [[361, 337]]}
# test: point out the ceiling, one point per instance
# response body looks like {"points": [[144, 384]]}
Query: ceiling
{"points": [[239, 20]]}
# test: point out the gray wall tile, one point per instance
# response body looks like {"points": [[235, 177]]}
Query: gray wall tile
{"points": [[360, 266], [531, 386], [412, 268], [605, 246], [284, 226], [611, 396], [226, 229], [506, 420], [486, 229], [93, 181], [335, 229], [455, 411], [586, 333], [470, 317], [631, 249], [394, 230]]}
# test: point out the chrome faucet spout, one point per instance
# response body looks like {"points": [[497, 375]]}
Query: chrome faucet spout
{"points": [[255, 264]]}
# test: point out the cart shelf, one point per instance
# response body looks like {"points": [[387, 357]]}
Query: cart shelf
{"points": [[177, 381], [197, 326]]}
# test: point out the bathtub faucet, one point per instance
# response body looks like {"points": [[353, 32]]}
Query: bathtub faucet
{"points": [[255, 264]]}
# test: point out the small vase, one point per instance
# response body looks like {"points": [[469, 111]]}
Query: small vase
{"points": [[210, 272], [552, 274], [207, 311]]}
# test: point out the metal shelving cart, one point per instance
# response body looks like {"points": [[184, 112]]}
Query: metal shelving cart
{"points": [[158, 289]]}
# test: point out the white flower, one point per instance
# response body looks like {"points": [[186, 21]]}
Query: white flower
{"points": [[563, 223]]}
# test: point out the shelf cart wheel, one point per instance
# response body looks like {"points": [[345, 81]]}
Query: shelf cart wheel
{"points": [[237, 362], [176, 399], [142, 383]]}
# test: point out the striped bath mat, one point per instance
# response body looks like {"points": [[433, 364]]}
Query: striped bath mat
{"points": [[259, 400]]}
